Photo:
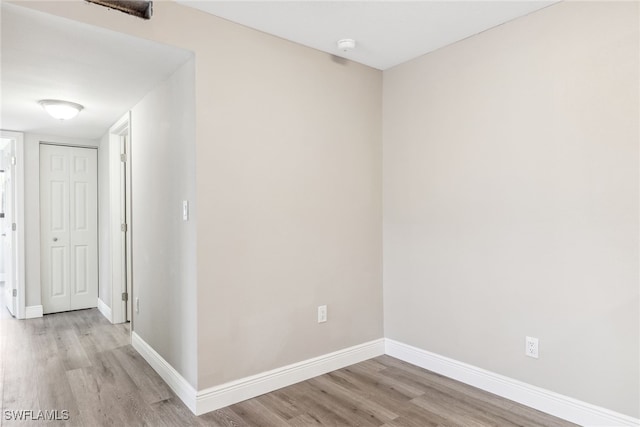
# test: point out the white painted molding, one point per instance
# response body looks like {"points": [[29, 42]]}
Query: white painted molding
{"points": [[117, 238], [33, 311], [552, 403], [217, 397], [105, 310], [180, 386], [210, 399]]}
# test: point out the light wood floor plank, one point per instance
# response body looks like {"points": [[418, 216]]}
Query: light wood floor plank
{"points": [[253, 412], [224, 418], [407, 374], [149, 385], [312, 408], [304, 420], [54, 391], [172, 412], [346, 408], [97, 404], [377, 410], [79, 362], [284, 408]]}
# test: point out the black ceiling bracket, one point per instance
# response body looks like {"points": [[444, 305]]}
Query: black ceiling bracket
{"points": [[141, 9]]}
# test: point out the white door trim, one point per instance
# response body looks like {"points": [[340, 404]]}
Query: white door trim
{"points": [[19, 220], [118, 267]]}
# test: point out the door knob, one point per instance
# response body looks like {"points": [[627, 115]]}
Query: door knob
{"points": [[55, 239]]}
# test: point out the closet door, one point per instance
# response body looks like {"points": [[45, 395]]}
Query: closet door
{"points": [[68, 228]]}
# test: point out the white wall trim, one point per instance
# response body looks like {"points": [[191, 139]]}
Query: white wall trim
{"points": [[119, 274], [105, 310], [210, 399], [180, 386], [19, 220], [538, 398], [232, 392], [33, 311]]}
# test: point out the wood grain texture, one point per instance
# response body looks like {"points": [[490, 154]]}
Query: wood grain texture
{"points": [[77, 361]]}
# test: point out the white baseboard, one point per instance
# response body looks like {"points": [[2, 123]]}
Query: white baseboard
{"points": [[33, 311], [217, 397], [210, 399], [180, 386], [552, 403], [105, 310]]}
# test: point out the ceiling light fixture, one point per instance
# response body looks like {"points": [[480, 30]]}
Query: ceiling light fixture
{"points": [[61, 110], [346, 44]]}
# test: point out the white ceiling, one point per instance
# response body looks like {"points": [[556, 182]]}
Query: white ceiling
{"points": [[387, 33], [50, 57], [43, 56]]}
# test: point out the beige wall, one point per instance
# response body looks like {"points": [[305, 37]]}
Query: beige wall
{"points": [[164, 246], [291, 184], [288, 185], [511, 201]]}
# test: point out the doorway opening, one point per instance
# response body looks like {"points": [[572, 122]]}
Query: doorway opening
{"points": [[12, 271], [120, 221]]}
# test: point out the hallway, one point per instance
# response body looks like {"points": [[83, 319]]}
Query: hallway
{"points": [[77, 361]]}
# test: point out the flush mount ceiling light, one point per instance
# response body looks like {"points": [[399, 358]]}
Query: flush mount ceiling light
{"points": [[346, 44], [61, 110]]}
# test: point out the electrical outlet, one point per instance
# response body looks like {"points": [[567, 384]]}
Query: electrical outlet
{"points": [[531, 347], [322, 314]]}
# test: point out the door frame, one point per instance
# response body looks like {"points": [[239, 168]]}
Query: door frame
{"points": [[121, 259], [19, 249]]}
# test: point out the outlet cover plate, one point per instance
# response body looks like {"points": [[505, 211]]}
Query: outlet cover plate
{"points": [[531, 347], [322, 313]]}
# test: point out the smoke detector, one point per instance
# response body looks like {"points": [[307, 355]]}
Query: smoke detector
{"points": [[346, 45]]}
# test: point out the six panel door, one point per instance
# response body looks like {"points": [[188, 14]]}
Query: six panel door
{"points": [[68, 227]]}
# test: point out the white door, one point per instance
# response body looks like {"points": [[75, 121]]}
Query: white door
{"points": [[7, 204], [68, 227]]}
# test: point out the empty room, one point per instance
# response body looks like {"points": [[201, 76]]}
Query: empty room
{"points": [[341, 213]]}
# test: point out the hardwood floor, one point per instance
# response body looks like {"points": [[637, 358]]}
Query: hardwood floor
{"points": [[79, 362]]}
